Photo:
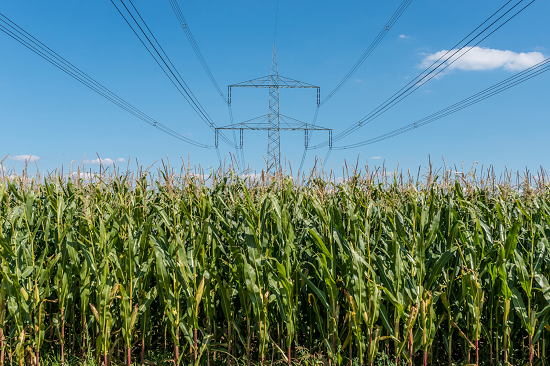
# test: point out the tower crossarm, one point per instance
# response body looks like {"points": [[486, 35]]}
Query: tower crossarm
{"points": [[267, 82], [274, 82], [261, 123], [265, 126]]}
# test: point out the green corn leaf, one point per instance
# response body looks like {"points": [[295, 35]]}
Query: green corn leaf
{"points": [[437, 268], [512, 240], [320, 294]]}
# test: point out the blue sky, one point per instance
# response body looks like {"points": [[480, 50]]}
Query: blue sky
{"points": [[48, 114]]}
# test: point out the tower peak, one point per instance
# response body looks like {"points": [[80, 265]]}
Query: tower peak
{"points": [[274, 69]]}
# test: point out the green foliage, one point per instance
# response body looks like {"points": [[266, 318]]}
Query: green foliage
{"points": [[232, 271]]}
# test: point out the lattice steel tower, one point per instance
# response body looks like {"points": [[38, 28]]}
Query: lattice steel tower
{"points": [[274, 133], [274, 118]]}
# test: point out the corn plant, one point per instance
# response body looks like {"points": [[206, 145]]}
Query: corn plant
{"points": [[241, 270]]}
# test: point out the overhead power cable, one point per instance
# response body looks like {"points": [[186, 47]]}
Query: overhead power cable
{"points": [[187, 30], [140, 28], [387, 27], [20, 35], [506, 84], [185, 26], [436, 67]]}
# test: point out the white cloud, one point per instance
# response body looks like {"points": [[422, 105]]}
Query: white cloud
{"points": [[358, 80], [24, 157], [98, 161], [402, 36], [477, 58], [376, 157], [104, 161], [84, 175]]}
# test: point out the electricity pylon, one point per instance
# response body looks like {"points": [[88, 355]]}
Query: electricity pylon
{"points": [[274, 82], [273, 133]]}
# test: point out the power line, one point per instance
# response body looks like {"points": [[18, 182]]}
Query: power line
{"points": [[185, 26], [184, 91], [387, 27], [33, 44], [164, 62], [416, 83], [498, 88], [424, 77], [187, 30], [395, 17]]}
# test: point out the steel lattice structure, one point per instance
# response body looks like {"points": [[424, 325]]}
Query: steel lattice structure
{"points": [[274, 82]]}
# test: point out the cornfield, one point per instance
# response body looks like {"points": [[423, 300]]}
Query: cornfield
{"points": [[439, 269]]}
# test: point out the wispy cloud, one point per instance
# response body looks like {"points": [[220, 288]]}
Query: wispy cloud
{"points": [[377, 157], [402, 36], [104, 161], [478, 58], [84, 175], [24, 157]]}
